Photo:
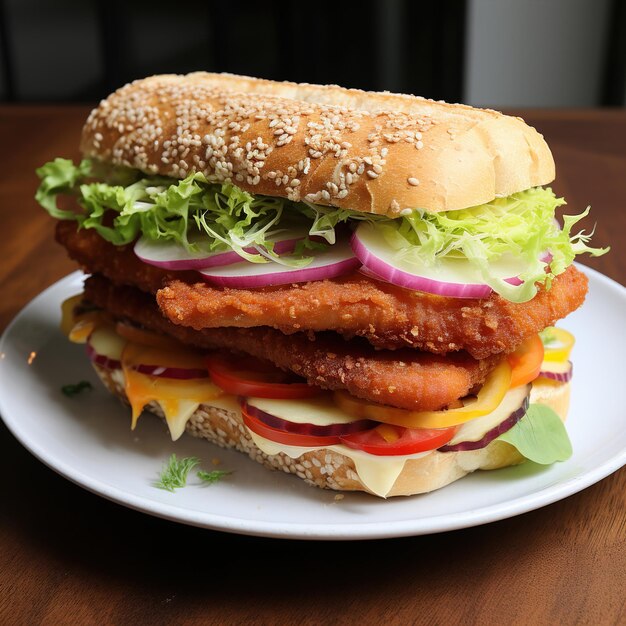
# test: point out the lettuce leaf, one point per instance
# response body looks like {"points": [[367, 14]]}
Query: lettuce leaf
{"points": [[540, 436], [123, 203], [221, 215], [59, 177], [522, 225]]}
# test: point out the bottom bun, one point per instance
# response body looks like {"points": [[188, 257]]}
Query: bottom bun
{"points": [[330, 469]]}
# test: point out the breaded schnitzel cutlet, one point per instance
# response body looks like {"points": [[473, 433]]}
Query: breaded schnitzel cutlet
{"points": [[354, 305], [387, 316], [408, 379]]}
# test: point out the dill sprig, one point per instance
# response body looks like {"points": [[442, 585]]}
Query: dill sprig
{"points": [[175, 471], [212, 477]]}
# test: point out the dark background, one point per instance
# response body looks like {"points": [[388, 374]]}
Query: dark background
{"points": [[81, 50]]}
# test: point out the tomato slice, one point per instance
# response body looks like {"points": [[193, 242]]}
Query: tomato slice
{"points": [[284, 437], [526, 361], [247, 376], [380, 442], [377, 441]]}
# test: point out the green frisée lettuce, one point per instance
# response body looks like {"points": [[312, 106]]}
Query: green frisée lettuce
{"points": [[540, 436], [226, 217], [122, 204], [521, 225]]}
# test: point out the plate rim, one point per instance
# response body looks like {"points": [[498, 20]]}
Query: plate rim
{"points": [[296, 530]]}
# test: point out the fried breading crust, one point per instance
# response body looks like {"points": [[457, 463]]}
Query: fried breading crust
{"points": [[118, 263], [387, 316], [406, 378], [354, 305]]}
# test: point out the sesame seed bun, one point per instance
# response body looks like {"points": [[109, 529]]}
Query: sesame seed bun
{"points": [[371, 152], [329, 469]]}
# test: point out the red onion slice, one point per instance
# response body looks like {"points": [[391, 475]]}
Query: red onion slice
{"points": [[480, 432], [305, 428], [334, 261], [451, 277], [170, 255], [561, 372], [176, 373], [101, 359]]}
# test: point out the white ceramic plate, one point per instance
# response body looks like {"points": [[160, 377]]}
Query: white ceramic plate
{"points": [[87, 439]]}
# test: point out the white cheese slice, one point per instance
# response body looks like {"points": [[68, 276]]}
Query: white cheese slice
{"points": [[476, 429], [319, 410], [377, 473]]}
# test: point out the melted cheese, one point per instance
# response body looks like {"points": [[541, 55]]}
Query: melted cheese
{"points": [[77, 328], [377, 473], [80, 331], [320, 410], [178, 399], [106, 342]]}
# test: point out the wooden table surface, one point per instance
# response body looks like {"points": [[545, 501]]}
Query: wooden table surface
{"points": [[70, 557]]}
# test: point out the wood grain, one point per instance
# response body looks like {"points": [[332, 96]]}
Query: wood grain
{"points": [[69, 557]]}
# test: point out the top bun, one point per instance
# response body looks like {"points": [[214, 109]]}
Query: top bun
{"points": [[371, 152]]}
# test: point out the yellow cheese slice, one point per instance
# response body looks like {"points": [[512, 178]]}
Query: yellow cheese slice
{"points": [[179, 398]]}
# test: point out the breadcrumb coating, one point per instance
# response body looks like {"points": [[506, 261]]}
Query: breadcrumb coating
{"points": [[388, 317], [408, 379]]}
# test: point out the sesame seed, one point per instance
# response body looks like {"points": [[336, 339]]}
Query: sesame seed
{"points": [[172, 125], [413, 181]]}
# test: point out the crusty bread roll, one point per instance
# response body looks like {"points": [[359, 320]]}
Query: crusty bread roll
{"points": [[332, 470], [372, 152]]}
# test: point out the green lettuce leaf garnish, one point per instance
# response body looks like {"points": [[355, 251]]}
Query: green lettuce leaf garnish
{"points": [[122, 204], [540, 436], [192, 212], [521, 225], [59, 177]]}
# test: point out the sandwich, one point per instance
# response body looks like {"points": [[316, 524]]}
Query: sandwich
{"points": [[356, 288]]}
